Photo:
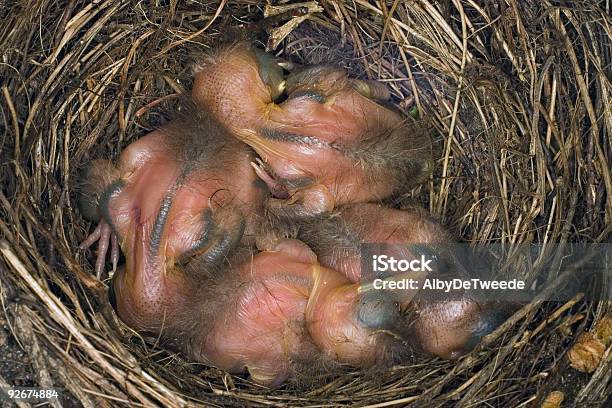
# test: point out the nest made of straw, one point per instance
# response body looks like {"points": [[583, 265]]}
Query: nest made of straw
{"points": [[519, 92]]}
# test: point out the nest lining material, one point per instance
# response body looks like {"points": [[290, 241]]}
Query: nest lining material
{"points": [[518, 91]]}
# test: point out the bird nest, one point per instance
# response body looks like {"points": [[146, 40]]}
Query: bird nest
{"points": [[518, 95]]}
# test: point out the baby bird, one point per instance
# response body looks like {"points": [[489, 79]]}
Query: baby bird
{"points": [[284, 309], [446, 325], [181, 190], [330, 142]]}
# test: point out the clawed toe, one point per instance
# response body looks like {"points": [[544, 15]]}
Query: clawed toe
{"points": [[276, 188], [93, 237], [104, 235], [114, 251]]}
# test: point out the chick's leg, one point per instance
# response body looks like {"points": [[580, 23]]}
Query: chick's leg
{"points": [[98, 185], [277, 189], [311, 200]]}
